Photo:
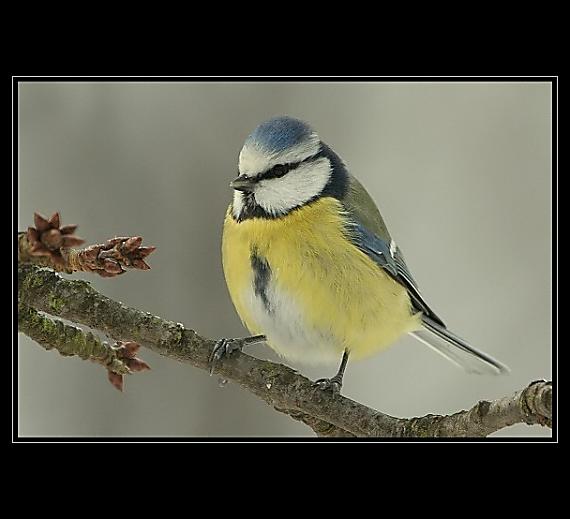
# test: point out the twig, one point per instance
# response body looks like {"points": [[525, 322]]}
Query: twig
{"points": [[119, 359], [531, 405], [50, 244]]}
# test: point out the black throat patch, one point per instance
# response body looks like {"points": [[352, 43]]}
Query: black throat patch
{"points": [[251, 209], [261, 278]]}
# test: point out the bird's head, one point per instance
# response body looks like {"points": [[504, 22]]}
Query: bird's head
{"points": [[283, 165]]}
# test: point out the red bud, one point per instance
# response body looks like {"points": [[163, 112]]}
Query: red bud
{"points": [[116, 380], [54, 221], [40, 222]]}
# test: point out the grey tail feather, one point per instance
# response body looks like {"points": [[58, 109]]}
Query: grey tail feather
{"points": [[457, 350]]}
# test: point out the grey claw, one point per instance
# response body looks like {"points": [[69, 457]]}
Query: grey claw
{"points": [[222, 348], [329, 384]]}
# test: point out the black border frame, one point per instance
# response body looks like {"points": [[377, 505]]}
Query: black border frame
{"points": [[553, 80]]}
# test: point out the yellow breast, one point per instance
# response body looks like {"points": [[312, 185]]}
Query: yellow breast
{"points": [[323, 294]]}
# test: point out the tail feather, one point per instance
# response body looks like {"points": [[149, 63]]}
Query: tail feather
{"points": [[456, 349]]}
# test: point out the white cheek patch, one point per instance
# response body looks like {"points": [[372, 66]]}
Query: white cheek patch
{"points": [[279, 195], [254, 160]]}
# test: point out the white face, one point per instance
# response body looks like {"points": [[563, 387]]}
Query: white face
{"points": [[279, 195], [253, 161]]}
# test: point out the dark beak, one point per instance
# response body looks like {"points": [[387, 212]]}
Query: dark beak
{"points": [[243, 183]]}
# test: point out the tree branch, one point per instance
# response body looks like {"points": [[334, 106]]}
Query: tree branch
{"points": [[531, 405], [69, 341], [279, 386]]}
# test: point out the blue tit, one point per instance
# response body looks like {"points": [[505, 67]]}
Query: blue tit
{"points": [[310, 264]]}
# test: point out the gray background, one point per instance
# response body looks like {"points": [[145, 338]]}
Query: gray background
{"points": [[460, 171]]}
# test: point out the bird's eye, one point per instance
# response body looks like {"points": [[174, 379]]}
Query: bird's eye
{"points": [[279, 170]]}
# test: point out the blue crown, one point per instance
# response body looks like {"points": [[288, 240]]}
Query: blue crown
{"points": [[279, 133]]}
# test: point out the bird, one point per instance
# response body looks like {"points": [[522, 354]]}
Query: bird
{"points": [[310, 265]]}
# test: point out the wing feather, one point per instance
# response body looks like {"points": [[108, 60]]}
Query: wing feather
{"points": [[368, 232]]}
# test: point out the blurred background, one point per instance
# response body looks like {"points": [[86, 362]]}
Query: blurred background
{"points": [[460, 171]]}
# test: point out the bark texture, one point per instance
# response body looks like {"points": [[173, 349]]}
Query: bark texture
{"points": [[281, 387]]}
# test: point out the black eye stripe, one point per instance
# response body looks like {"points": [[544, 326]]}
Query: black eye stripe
{"points": [[280, 170]]}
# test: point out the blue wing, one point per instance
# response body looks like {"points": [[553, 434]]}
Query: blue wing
{"points": [[368, 232], [390, 258]]}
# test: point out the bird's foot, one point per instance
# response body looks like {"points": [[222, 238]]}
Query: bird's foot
{"points": [[225, 347], [333, 384]]}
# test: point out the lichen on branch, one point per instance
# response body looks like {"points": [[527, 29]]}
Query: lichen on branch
{"points": [[119, 359], [281, 387]]}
